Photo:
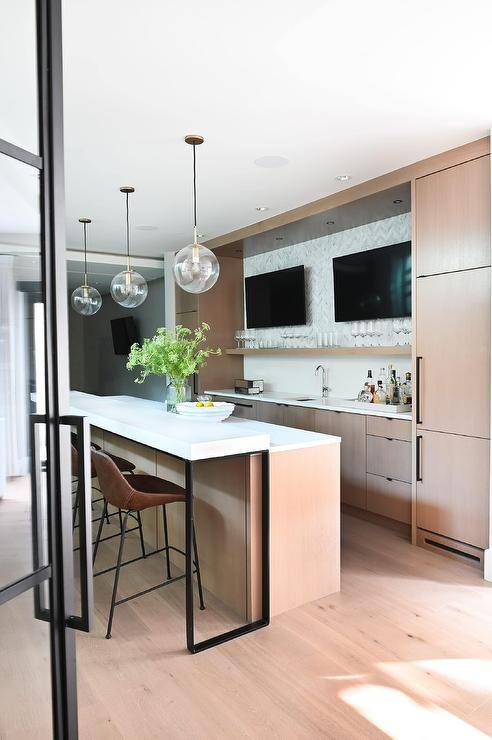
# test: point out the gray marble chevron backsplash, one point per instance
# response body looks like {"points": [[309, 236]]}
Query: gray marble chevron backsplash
{"points": [[316, 255]]}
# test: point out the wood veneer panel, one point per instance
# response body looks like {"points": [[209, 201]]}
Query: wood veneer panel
{"points": [[453, 496], [391, 458], [452, 218], [352, 429], [389, 498], [453, 339], [304, 525]]}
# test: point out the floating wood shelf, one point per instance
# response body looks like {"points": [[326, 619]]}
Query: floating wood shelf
{"points": [[404, 350]]}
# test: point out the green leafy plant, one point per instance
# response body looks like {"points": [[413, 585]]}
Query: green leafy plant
{"points": [[178, 354]]}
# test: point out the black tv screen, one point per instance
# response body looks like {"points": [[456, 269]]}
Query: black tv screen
{"points": [[276, 298], [376, 284], [124, 334]]}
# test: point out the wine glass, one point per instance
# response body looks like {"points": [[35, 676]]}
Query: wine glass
{"points": [[355, 332], [370, 333], [363, 333], [397, 328], [237, 337]]}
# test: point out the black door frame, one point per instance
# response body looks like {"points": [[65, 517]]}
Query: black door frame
{"points": [[58, 573]]}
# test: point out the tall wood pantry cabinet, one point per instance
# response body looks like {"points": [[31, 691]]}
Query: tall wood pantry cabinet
{"points": [[452, 363]]}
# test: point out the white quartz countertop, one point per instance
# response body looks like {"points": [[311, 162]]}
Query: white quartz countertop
{"points": [[329, 404], [148, 423]]}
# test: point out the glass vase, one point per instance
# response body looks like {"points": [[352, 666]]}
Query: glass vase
{"points": [[177, 391]]}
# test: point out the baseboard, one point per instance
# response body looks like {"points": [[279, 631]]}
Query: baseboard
{"points": [[383, 521], [454, 549]]}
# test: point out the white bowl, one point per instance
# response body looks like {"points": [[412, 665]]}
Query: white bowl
{"points": [[218, 412]]}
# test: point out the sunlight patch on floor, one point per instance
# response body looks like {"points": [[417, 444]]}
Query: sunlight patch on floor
{"points": [[399, 716]]}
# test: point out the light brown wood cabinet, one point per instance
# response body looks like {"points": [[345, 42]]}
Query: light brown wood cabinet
{"points": [[452, 218], [453, 493], [352, 429], [382, 426], [391, 458], [299, 417], [453, 352], [244, 408], [389, 497], [272, 413]]}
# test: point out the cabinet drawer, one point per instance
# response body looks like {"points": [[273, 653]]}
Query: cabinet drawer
{"points": [[389, 497], [244, 409], [271, 413], [391, 458], [394, 428], [299, 417]]}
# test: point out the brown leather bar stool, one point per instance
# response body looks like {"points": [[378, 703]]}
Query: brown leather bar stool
{"points": [[132, 494], [124, 465]]}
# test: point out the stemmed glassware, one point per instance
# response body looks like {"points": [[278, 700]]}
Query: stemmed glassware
{"points": [[355, 332], [397, 328]]}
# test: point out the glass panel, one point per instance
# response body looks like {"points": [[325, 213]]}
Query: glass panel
{"points": [[21, 373], [25, 698], [18, 81]]}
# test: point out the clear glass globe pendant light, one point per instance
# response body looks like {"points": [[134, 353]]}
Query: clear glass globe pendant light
{"points": [[86, 300], [196, 268], [128, 288]]}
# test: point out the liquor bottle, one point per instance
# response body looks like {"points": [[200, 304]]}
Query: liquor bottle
{"points": [[391, 386], [382, 377], [406, 390], [380, 395], [369, 379]]}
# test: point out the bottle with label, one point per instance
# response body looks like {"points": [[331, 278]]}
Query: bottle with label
{"points": [[406, 390], [391, 386], [380, 395], [382, 377]]}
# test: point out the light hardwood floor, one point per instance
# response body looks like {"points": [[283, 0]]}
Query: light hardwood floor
{"points": [[404, 651]]}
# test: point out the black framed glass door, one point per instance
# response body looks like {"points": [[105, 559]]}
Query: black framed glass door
{"points": [[37, 645]]}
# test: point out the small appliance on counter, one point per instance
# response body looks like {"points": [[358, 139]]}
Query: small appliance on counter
{"points": [[248, 387]]}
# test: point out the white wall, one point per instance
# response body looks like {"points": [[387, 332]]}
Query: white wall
{"points": [[346, 374]]}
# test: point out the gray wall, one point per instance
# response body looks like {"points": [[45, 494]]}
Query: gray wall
{"points": [[94, 368]]}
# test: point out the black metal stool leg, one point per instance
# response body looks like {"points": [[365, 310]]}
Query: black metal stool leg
{"points": [[142, 544], [121, 521], [117, 575], [99, 530], [198, 575], [75, 508], [166, 541]]}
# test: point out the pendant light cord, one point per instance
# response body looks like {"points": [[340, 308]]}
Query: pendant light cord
{"points": [[85, 253], [194, 184], [127, 235]]}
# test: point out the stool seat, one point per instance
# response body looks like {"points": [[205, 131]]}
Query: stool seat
{"points": [[134, 492]]}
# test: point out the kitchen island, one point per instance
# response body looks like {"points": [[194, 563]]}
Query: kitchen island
{"points": [[265, 500]]}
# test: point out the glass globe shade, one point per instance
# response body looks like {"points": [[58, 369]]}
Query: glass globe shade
{"points": [[86, 300], [196, 268], [129, 288]]}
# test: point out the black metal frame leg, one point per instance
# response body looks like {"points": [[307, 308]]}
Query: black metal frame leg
{"points": [[140, 530], [194, 647]]}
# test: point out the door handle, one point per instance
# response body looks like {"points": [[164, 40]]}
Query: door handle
{"points": [[84, 621], [418, 461], [41, 609], [418, 419]]}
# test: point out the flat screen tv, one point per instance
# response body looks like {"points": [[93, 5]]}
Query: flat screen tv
{"points": [[124, 333], [276, 298], [376, 284]]}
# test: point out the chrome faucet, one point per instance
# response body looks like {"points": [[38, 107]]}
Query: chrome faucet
{"points": [[324, 380]]}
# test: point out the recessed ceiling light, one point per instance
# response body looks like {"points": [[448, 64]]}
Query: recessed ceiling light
{"points": [[271, 161], [262, 208], [146, 227], [330, 223], [397, 201], [200, 236], [279, 238], [343, 178]]}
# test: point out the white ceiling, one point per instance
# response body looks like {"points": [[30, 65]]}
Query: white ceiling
{"points": [[334, 86]]}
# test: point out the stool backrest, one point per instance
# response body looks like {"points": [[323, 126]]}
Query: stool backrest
{"points": [[114, 485], [75, 462]]}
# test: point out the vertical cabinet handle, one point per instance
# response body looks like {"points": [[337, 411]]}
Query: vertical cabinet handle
{"points": [[417, 390], [419, 458], [84, 621]]}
